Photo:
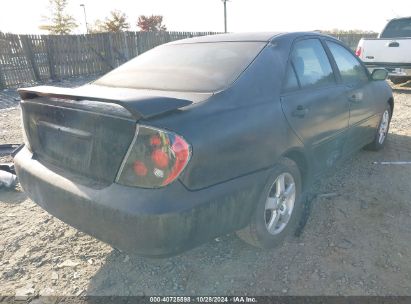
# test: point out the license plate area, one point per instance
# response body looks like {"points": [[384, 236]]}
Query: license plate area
{"points": [[68, 146]]}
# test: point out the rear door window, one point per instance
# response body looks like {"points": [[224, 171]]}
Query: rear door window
{"points": [[311, 64], [398, 28], [351, 70], [291, 82]]}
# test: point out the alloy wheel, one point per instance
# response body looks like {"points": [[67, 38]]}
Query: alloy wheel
{"points": [[280, 203], [383, 129]]}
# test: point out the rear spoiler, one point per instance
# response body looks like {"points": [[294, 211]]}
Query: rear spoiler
{"points": [[138, 103]]}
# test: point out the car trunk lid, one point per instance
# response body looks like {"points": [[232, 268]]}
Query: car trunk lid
{"points": [[85, 130]]}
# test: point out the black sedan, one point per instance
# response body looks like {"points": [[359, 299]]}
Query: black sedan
{"points": [[200, 137]]}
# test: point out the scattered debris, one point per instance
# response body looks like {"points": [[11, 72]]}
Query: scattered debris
{"points": [[328, 195], [8, 149], [364, 204], [8, 176], [68, 263], [8, 167], [46, 292], [7, 179], [393, 163], [343, 212], [54, 278], [24, 293], [80, 292], [345, 244]]}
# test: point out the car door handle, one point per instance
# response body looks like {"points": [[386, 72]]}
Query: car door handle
{"points": [[300, 111], [393, 44], [354, 98]]}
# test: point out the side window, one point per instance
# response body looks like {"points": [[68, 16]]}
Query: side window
{"points": [[311, 64], [291, 82], [350, 68]]}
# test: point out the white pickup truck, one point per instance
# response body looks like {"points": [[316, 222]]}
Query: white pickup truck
{"points": [[391, 50]]}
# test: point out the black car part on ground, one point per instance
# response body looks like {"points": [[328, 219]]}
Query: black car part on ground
{"points": [[8, 167], [8, 149], [8, 176]]}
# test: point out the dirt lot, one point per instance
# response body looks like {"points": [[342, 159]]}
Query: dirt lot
{"points": [[356, 242]]}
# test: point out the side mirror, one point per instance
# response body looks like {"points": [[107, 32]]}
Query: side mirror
{"points": [[379, 74]]}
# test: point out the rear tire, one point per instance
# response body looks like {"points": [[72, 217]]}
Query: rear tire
{"points": [[278, 209], [381, 132]]}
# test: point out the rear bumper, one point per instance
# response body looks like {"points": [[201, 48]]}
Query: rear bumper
{"points": [[150, 222]]}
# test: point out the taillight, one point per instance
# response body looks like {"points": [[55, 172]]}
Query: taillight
{"points": [[155, 159], [358, 51]]}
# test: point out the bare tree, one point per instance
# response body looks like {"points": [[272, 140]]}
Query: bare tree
{"points": [[58, 22]]}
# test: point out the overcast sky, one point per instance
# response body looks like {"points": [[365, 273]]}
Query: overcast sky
{"points": [[24, 16]]}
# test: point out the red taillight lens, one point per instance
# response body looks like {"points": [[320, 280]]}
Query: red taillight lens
{"points": [[160, 158], [155, 159], [140, 168], [155, 140], [358, 51], [182, 153]]}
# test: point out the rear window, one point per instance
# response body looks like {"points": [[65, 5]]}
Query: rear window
{"points": [[198, 67], [397, 29]]}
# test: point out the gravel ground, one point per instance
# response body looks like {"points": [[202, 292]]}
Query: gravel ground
{"points": [[357, 240]]}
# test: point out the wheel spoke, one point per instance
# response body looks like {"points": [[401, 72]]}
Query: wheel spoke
{"points": [[273, 221], [381, 139], [285, 216], [290, 190], [280, 185], [272, 203]]}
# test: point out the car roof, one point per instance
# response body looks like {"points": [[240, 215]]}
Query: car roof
{"points": [[238, 37], [401, 18]]}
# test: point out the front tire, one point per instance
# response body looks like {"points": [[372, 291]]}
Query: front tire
{"points": [[278, 209], [381, 131]]}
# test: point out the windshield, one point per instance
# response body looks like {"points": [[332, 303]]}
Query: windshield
{"points": [[397, 28], [197, 67]]}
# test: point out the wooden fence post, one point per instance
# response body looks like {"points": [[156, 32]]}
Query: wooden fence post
{"points": [[50, 58], [2, 80], [110, 45], [30, 56], [2, 61], [126, 50], [138, 41]]}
